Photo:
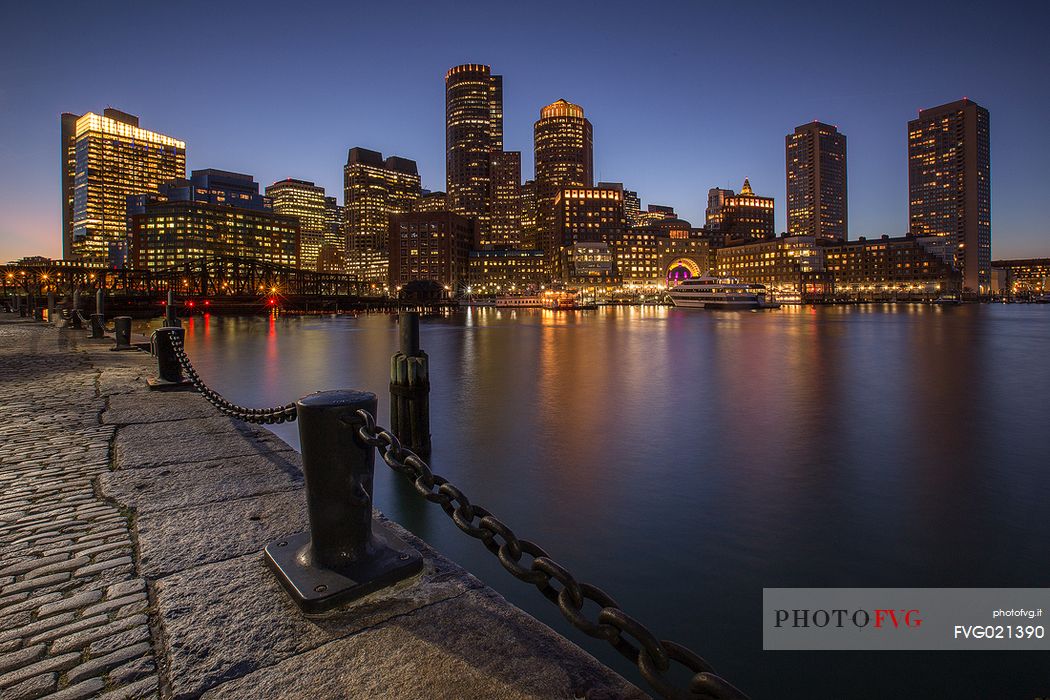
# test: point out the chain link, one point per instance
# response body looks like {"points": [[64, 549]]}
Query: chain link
{"points": [[263, 416], [628, 636]]}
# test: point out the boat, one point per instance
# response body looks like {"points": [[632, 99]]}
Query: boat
{"points": [[559, 301], [709, 292]]}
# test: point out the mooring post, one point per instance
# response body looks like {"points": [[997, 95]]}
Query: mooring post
{"points": [[122, 333], [74, 313], [170, 320], [38, 311], [98, 319], [23, 306], [410, 388], [169, 370], [345, 555], [51, 312]]}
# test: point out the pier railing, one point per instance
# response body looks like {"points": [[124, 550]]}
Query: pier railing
{"points": [[348, 554]]}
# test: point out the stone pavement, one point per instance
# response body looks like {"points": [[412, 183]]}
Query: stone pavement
{"points": [[131, 531]]}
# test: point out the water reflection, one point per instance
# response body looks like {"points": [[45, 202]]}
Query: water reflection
{"points": [[684, 460]]}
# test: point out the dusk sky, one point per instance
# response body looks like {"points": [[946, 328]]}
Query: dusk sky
{"points": [[683, 96]]}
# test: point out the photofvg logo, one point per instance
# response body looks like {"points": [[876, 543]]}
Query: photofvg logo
{"points": [[879, 619], [873, 619]]}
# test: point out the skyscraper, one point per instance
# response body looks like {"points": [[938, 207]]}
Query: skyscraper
{"points": [[564, 158], [815, 157], [374, 190], [305, 201], [716, 199], [105, 160], [473, 132], [949, 184], [632, 205], [504, 229], [747, 216]]}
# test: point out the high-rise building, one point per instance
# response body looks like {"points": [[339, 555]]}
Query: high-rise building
{"points": [[105, 160], [215, 212], [815, 157], [747, 216], [528, 215], [504, 230], [584, 215], [374, 190], [632, 205], [305, 201], [655, 213], [564, 144], [473, 132], [431, 246], [949, 184], [716, 199], [431, 201]]}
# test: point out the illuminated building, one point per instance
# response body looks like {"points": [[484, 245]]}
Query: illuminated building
{"points": [[473, 132], [431, 246], [588, 264], [214, 213], [374, 190], [792, 267], [504, 230], [949, 184], [305, 201], [888, 267], [332, 257], [564, 152], [647, 256], [1025, 277], [655, 213], [747, 216], [507, 272], [584, 215], [530, 239], [815, 157], [431, 201], [716, 199], [632, 206], [105, 160]]}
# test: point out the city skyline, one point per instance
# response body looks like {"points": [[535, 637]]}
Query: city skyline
{"points": [[718, 146]]}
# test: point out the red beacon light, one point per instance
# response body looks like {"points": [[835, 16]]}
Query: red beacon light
{"points": [[191, 304]]}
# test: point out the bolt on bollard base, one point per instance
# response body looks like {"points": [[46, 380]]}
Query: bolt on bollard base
{"points": [[346, 554]]}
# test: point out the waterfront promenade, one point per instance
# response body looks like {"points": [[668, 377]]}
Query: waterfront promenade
{"points": [[131, 532]]}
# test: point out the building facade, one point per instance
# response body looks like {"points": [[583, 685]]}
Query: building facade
{"points": [[375, 189], [584, 215], [716, 199], [888, 267], [106, 159], [792, 267], [432, 246], [1025, 277], [305, 201], [431, 201], [949, 185], [747, 216], [504, 230], [494, 272], [815, 157], [215, 212], [564, 157], [473, 132]]}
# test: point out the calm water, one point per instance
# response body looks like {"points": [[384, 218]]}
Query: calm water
{"points": [[684, 460]]}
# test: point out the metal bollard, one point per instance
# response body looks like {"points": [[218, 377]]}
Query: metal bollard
{"points": [[74, 313], [170, 320], [122, 333], [169, 371], [410, 388], [345, 555], [98, 326], [52, 313], [23, 306], [100, 302]]}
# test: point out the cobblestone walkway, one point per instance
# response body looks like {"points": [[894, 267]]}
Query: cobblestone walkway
{"points": [[74, 619]]}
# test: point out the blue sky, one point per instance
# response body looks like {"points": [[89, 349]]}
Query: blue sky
{"points": [[683, 96]]}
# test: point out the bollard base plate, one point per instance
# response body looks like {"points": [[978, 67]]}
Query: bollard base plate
{"points": [[317, 590], [158, 384]]}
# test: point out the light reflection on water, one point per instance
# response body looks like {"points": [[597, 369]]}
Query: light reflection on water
{"points": [[684, 460]]}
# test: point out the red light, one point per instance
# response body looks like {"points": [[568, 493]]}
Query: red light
{"points": [[163, 303], [272, 302], [189, 304], [207, 303]]}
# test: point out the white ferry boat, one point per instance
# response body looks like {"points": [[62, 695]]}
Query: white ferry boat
{"points": [[720, 293]]}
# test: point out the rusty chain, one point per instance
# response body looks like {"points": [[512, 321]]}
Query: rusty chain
{"points": [[262, 416], [653, 656]]}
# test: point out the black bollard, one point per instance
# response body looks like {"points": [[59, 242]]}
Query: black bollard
{"points": [[169, 370], [122, 333], [346, 554], [74, 313], [52, 313], [100, 302], [98, 326], [410, 389], [170, 320]]}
